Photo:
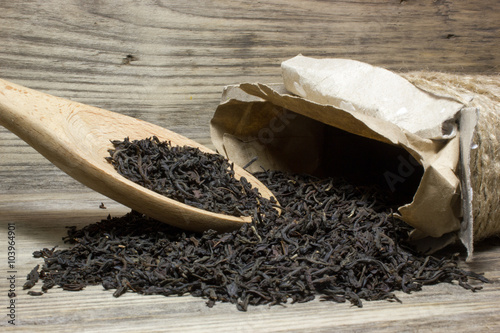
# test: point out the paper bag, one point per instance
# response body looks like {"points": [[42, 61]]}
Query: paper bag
{"points": [[339, 117]]}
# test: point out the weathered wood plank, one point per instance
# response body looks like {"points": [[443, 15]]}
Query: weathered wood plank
{"points": [[183, 53], [433, 309], [41, 221], [166, 62]]}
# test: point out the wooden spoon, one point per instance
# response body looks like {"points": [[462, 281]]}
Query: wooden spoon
{"points": [[76, 138]]}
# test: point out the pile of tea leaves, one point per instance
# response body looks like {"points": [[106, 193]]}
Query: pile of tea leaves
{"points": [[332, 240], [186, 174]]}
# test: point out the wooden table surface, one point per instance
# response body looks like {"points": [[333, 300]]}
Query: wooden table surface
{"points": [[166, 62]]}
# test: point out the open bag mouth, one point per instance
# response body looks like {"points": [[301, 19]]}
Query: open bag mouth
{"points": [[345, 118]]}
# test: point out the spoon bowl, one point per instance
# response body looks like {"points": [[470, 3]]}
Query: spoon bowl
{"points": [[76, 137]]}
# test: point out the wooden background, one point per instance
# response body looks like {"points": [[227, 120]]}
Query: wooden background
{"points": [[166, 62]]}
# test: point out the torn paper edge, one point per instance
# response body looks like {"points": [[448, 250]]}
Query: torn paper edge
{"points": [[468, 121]]}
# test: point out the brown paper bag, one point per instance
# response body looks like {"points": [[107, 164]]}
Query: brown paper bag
{"points": [[342, 117]]}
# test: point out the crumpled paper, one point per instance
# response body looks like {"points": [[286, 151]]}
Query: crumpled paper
{"points": [[341, 117]]}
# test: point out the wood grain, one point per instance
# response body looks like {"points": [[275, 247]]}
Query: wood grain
{"points": [[184, 52], [437, 308], [166, 62]]}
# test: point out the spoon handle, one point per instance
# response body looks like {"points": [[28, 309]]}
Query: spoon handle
{"points": [[36, 118]]}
